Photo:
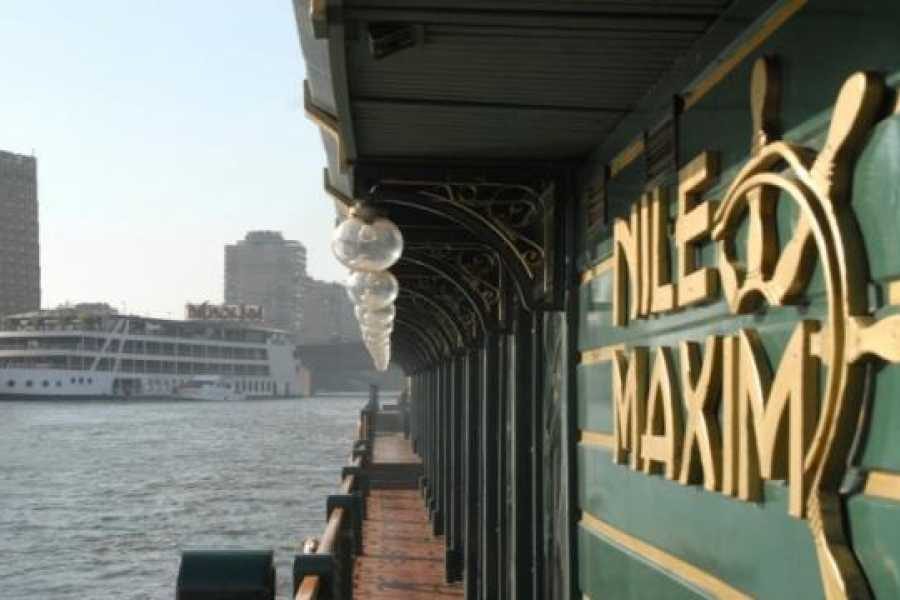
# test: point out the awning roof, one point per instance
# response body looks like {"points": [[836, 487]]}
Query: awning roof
{"points": [[498, 80], [470, 115]]}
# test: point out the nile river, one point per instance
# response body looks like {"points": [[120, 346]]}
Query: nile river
{"points": [[97, 499]]}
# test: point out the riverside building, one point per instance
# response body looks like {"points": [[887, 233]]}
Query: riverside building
{"points": [[268, 271], [327, 313], [20, 272]]}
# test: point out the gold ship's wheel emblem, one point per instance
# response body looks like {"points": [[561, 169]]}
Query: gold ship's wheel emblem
{"points": [[824, 234]]}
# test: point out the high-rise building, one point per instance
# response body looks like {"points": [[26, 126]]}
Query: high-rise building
{"points": [[20, 269], [327, 313], [267, 270]]}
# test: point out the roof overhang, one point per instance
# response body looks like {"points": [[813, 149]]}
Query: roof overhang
{"points": [[466, 122]]}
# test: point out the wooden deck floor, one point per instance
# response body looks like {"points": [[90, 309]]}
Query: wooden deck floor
{"points": [[401, 559], [393, 448]]}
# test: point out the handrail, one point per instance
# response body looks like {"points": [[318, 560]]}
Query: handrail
{"points": [[312, 585]]}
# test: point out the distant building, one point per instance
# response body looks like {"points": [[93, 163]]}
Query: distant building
{"points": [[20, 270], [266, 270], [327, 313], [95, 308]]}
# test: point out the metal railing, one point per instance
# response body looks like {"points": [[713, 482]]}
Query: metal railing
{"points": [[324, 571]]}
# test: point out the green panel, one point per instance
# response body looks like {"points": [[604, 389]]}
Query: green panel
{"points": [[755, 547], [875, 531], [596, 311], [603, 567], [882, 450], [876, 203], [594, 398], [696, 324], [876, 199], [758, 548]]}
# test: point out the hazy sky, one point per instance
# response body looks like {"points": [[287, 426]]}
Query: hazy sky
{"points": [[163, 130]]}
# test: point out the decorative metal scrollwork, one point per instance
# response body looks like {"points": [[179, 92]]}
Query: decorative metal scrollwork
{"points": [[516, 210], [516, 221], [478, 265]]}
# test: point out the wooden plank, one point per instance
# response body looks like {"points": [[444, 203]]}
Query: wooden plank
{"points": [[401, 559]]}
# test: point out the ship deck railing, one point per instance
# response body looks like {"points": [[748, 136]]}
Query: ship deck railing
{"points": [[324, 571]]}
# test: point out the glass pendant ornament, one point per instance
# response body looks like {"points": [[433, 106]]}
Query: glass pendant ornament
{"points": [[367, 244], [372, 290], [376, 317]]}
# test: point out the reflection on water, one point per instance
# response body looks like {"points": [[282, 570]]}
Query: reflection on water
{"points": [[97, 499]]}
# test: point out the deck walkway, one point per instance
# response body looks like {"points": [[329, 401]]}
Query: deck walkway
{"points": [[393, 448], [401, 559]]}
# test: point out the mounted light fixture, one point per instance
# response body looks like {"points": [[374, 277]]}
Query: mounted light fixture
{"points": [[367, 242], [379, 317], [372, 290]]}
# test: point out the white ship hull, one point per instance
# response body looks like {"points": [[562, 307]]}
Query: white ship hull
{"points": [[111, 356], [54, 383]]}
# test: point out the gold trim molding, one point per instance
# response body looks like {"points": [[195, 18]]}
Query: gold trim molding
{"points": [[327, 122], [600, 355], [726, 65], [683, 570], [627, 156], [596, 439], [708, 81], [597, 270], [894, 293], [883, 484]]}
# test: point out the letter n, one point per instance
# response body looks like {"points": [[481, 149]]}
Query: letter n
{"points": [[627, 264]]}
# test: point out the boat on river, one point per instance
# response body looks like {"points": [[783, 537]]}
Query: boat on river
{"points": [[208, 388], [78, 353]]}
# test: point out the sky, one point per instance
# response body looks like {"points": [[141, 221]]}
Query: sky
{"points": [[163, 130]]}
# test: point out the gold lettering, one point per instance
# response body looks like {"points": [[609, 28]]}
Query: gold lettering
{"points": [[730, 376], [772, 447], [694, 224], [626, 261], [629, 400], [661, 441], [645, 256], [700, 385], [664, 293]]}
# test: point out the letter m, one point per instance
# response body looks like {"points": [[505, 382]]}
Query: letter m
{"points": [[629, 382], [772, 446]]}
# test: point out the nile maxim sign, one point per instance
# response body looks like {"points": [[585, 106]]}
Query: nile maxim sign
{"points": [[739, 423]]}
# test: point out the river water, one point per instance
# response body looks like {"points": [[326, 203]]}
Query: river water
{"points": [[98, 499]]}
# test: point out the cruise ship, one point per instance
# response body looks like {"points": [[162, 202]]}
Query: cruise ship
{"points": [[71, 353]]}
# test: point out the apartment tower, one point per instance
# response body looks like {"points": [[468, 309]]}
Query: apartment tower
{"points": [[20, 271], [267, 270]]}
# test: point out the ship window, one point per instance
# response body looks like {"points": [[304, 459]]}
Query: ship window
{"points": [[81, 380], [29, 383], [59, 384], [10, 383], [72, 380], [46, 383], [90, 380]]}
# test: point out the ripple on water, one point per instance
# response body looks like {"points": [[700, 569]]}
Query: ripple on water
{"points": [[99, 498]]}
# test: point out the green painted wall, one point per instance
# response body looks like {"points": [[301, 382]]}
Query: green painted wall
{"points": [[755, 547]]}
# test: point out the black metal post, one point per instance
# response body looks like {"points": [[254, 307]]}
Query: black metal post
{"points": [[473, 399], [489, 472], [524, 518], [537, 453]]}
